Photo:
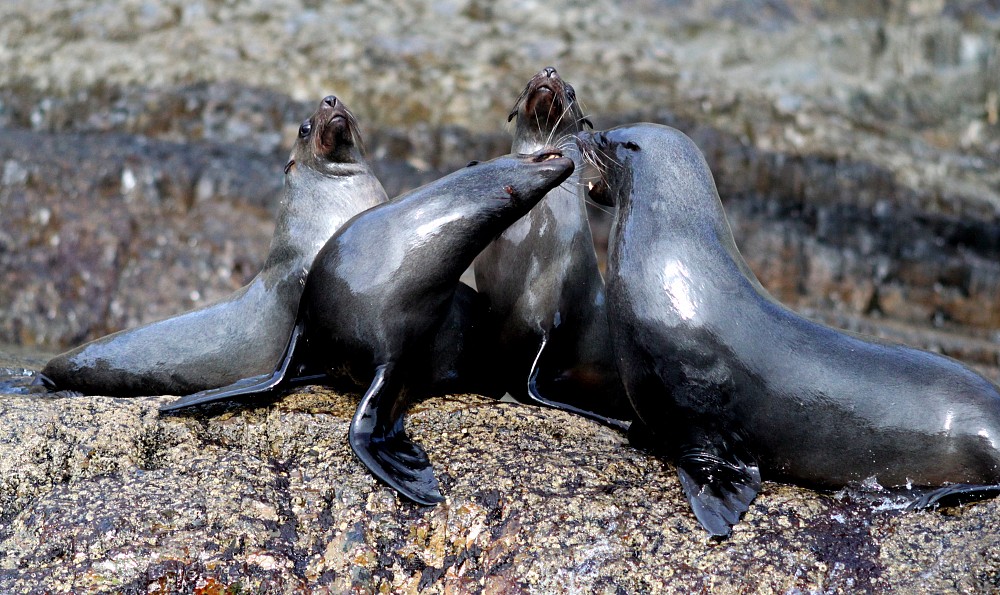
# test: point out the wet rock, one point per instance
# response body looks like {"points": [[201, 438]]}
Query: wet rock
{"points": [[102, 495]]}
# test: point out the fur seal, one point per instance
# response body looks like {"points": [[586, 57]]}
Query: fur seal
{"points": [[327, 181], [541, 280], [732, 383], [380, 291]]}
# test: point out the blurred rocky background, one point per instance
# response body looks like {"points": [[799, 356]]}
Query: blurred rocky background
{"points": [[856, 146]]}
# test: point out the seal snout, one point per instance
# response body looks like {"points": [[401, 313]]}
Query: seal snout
{"points": [[547, 80], [336, 126], [339, 115], [551, 164], [595, 164]]}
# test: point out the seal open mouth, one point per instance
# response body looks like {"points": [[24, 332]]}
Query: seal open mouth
{"points": [[544, 103], [338, 129], [546, 156]]}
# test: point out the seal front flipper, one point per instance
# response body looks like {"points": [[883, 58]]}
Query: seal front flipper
{"points": [[536, 396], [254, 385], [720, 480], [380, 441]]}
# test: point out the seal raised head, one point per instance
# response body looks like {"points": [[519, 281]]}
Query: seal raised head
{"points": [[327, 181], [732, 383], [541, 280], [379, 293]]}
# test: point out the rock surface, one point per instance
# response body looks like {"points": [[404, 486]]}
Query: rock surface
{"points": [[101, 495], [857, 150]]}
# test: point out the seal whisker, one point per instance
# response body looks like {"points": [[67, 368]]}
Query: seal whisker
{"points": [[359, 141], [565, 142], [599, 206], [584, 118], [555, 126]]}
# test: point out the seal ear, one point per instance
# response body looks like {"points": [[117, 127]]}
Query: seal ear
{"points": [[586, 121], [512, 114]]}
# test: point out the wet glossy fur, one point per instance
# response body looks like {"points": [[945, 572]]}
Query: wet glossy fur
{"points": [[384, 289]]}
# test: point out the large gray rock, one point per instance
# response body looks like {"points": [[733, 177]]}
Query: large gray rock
{"points": [[101, 495]]}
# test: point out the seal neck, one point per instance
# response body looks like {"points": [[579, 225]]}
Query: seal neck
{"points": [[677, 210], [313, 207]]}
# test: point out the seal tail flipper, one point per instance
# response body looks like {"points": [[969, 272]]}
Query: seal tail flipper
{"points": [[254, 385], [536, 396], [954, 495], [378, 438], [719, 488]]}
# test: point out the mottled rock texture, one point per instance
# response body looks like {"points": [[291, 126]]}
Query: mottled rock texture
{"points": [[101, 495]]}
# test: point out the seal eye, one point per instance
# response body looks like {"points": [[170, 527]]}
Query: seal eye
{"points": [[631, 146], [305, 129], [471, 163]]}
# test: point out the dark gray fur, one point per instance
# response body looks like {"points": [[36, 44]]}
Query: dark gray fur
{"points": [[384, 288]]}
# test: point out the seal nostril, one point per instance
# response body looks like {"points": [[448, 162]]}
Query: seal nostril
{"points": [[549, 71], [330, 100]]}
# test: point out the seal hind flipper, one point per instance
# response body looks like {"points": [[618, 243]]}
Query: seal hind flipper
{"points": [[42, 383], [379, 439], [719, 485], [535, 395], [254, 385], [954, 495]]}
